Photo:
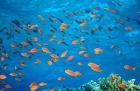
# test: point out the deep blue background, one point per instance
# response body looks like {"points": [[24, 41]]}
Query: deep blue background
{"points": [[110, 62]]}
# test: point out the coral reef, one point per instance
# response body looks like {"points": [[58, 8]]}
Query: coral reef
{"points": [[112, 83]]}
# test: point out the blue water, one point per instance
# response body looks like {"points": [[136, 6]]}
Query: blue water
{"points": [[27, 11]]}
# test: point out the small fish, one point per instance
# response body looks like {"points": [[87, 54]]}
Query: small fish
{"points": [[46, 50], [24, 44], [72, 73], [59, 41], [14, 45], [64, 54], [33, 86], [37, 61], [98, 50], [65, 43], [93, 15], [94, 67], [70, 58], [74, 42], [35, 39], [22, 63], [63, 26], [20, 74], [80, 63], [54, 56], [24, 54], [39, 31], [53, 27], [60, 78], [17, 68], [2, 77], [81, 52], [52, 40], [129, 67], [52, 18], [113, 46], [13, 74], [34, 50], [41, 84], [49, 62], [87, 55], [41, 18]]}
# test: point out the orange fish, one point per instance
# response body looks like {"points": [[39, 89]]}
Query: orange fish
{"points": [[64, 54], [24, 44], [72, 73], [34, 50], [59, 42], [33, 86], [54, 56], [63, 26], [46, 50], [128, 67], [98, 50], [70, 58], [24, 54], [2, 77], [49, 62], [80, 63], [94, 67], [81, 52], [74, 42], [60, 78], [87, 55], [35, 38], [37, 61], [77, 73]]}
